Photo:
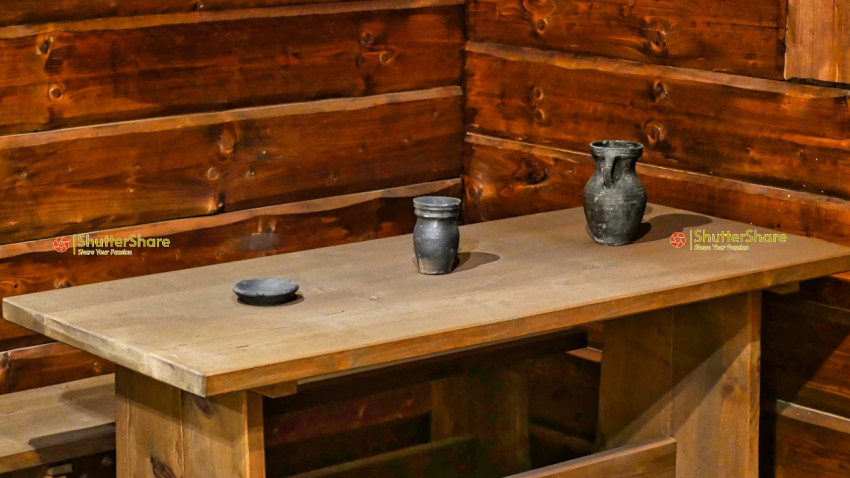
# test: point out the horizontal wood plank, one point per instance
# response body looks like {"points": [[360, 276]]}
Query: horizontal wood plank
{"points": [[452, 457], [508, 178], [56, 423], [651, 459], [83, 179], [806, 353], [833, 291], [35, 266], [71, 74], [286, 426], [21, 12], [808, 443], [744, 38], [47, 364], [705, 122]]}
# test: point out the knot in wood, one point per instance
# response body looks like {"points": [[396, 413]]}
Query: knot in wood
{"points": [[541, 25], [659, 91], [56, 91], [43, 47], [539, 115], [536, 94], [655, 131], [366, 38], [226, 143]]}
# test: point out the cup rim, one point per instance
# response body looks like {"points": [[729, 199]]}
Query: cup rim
{"points": [[616, 144], [436, 203]]}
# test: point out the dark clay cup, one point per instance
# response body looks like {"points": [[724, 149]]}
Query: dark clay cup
{"points": [[436, 236]]}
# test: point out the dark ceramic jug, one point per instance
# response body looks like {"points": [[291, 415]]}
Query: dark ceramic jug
{"points": [[614, 198], [436, 236]]}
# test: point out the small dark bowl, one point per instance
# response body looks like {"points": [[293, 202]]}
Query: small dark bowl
{"points": [[264, 291]]}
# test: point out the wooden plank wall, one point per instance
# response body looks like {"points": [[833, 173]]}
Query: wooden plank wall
{"points": [[702, 85], [235, 128]]}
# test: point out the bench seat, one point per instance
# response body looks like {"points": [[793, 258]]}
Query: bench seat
{"points": [[57, 423]]}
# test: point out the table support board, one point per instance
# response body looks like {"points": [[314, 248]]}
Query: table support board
{"points": [[164, 432], [690, 372]]}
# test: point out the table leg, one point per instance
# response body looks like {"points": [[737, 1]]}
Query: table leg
{"points": [[164, 432], [691, 372]]}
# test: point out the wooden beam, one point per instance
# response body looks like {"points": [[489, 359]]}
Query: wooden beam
{"points": [[784, 289], [47, 364], [449, 458], [114, 69], [311, 416], [806, 442], [739, 38], [69, 181], [30, 12], [700, 121], [649, 459]]}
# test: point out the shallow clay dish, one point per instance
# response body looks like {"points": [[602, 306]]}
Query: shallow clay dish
{"points": [[264, 291]]}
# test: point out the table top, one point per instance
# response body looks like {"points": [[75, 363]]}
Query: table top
{"points": [[364, 304]]}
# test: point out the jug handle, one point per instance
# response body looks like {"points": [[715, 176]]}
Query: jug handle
{"points": [[608, 171]]}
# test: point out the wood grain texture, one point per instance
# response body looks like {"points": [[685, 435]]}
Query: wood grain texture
{"points": [[490, 404], [650, 459], [744, 38], [389, 313], [508, 178], [39, 11], [833, 291], [35, 266], [56, 423], [285, 425], [818, 40], [84, 179], [77, 73], [564, 395], [636, 392], [704, 122], [47, 364], [164, 432], [691, 372], [807, 353], [449, 458], [808, 443]]}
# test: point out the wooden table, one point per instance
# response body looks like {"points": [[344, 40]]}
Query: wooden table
{"points": [[681, 354]]}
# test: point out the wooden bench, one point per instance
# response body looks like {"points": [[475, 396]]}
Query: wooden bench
{"points": [[57, 423]]}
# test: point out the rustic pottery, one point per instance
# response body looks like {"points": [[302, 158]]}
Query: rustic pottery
{"points": [[265, 291], [436, 236], [614, 197]]}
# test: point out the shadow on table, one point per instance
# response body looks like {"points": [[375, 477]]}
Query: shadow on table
{"points": [[470, 260], [663, 226]]}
